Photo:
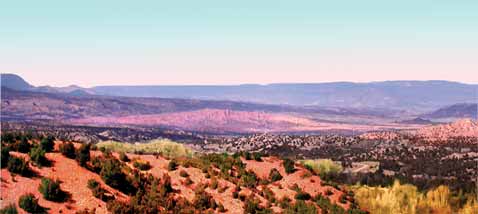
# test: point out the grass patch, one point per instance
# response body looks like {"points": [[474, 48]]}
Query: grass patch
{"points": [[164, 147]]}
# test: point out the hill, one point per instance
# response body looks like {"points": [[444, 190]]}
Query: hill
{"points": [[14, 82], [204, 183], [407, 95], [460, 110]]}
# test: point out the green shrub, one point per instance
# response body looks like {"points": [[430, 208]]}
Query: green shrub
{"points": [[19, 166], [29, 203], [97, 191], [302, 196], [5, 156], [275, 175], [9, 209], [172, 165], [47, 143], [301, 207], [83, 154], [257, 156], [142, 165], [123, 157], [23, 146], [50, 189], [288, 165], [112, 175], [68, 150], [37, 155], [252, 206]]}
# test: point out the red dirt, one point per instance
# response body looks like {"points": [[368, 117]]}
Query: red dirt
{"points": [[74, 181]]}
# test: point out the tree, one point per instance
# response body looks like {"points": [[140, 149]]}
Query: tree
{"points": [[23, 146], [83, 154], [37, 155], [47, 143], [111, 173], [50, 189], [288, 165], [18, 166], [5, 156], [275, 175], [29, 203], [68, 150]]}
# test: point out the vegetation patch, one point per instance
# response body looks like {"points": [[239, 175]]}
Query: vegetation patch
{"points": [[164, 147]]}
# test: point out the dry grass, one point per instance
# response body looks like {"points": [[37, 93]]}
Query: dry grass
{"points": [[164, 147]]}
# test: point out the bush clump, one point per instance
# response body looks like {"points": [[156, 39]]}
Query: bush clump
{"points": [[68, 150], [142, 165], [83, 154], [123, 157], [23, 146], [50, 189], [275, 175], [19, 166], [5, 156], [29, 203], [37, 155], [173, 165], [47, 144], [288, 165]]}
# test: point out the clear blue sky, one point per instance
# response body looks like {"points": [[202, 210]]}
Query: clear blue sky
{"points": [[99, 42]]}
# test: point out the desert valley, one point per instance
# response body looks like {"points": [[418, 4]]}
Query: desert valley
{"points": [[373, 148]]}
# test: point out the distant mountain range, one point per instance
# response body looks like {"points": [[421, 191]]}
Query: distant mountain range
{"points": [[23, 102], [416, 96]]}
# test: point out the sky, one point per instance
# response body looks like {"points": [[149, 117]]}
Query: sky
{"points": [[159, 42]]}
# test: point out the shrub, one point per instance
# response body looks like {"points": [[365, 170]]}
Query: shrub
{"points": [[92, 183], [257, 156], [68, 150], [329, 192], [203, 201], [183, 174], [123, 157], [9, 209], [165, 147], [18, 166], [23, 146], [37, 155], [83, 154], [112, 175], [97, 191], [275, 175], [5, 156], [343, 199], [302, 196], [173, 165], [47, 143], [50, 189], [288, 165], [301, 207], [252, 206], [323, 167], [29, 203], [141, 165]]}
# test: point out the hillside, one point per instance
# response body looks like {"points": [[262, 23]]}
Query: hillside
{"points": [[189, 184], [460, 110]]}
